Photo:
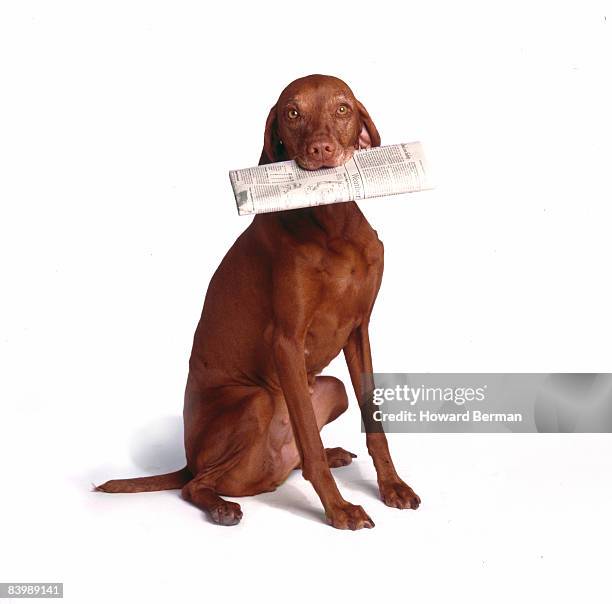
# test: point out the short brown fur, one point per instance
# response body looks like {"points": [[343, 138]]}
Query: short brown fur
{"points": [[295, 289]]}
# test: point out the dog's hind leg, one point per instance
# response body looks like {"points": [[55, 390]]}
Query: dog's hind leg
{"points": [[199, 493], [227, 449]]}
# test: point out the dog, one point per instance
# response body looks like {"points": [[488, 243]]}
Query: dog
{"points": [[295, 289]]}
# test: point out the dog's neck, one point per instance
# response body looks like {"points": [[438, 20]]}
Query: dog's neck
{"points": [[336, 219], [319, 222]]}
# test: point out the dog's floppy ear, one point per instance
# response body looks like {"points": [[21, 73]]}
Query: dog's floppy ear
{"points": [[273, 147], [368, 137]]}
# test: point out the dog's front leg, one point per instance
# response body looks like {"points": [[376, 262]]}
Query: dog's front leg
{"points": [[288, 350], [393, 490]]}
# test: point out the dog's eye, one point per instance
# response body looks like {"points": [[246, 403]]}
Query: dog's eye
{"points": [[292, 114], [342, 110]]}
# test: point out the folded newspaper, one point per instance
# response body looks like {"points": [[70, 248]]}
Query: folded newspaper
{"points": [[375, 172]]}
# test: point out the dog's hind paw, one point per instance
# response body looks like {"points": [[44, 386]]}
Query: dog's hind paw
{"points": [[338, 457], [226, 513]]}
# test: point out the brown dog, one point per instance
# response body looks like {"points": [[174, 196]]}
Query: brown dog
{"points": [[295, 289]]}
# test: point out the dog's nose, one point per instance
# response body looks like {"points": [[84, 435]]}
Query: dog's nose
{"points": [[321, 149]]}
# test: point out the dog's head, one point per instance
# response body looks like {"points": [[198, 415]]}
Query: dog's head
{"points": [[318, 122]]}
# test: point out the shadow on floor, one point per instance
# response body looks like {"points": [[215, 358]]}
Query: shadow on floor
{"points": [[157, 446], [291, 498]]}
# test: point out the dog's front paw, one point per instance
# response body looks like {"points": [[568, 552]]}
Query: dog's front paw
{"points": [[349, 516], [397, 494]]}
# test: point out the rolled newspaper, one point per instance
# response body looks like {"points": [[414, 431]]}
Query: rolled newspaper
{"points": [[375, 172]]}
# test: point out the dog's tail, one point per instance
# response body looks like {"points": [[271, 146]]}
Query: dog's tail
{"points": [[161, 482]]}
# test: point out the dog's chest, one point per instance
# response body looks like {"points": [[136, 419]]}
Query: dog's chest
{"points": [[349, 272]]}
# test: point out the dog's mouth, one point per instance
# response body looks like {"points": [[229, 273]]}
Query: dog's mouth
{"points": [[307, 163]]}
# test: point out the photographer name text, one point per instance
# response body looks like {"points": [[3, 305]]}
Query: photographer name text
{"points": [[427, 416]]}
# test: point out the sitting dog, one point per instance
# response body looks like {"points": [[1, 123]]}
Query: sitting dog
{"points": [[295, 289]]}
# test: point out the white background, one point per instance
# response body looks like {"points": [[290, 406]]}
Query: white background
{"points": [[118, 124]]}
